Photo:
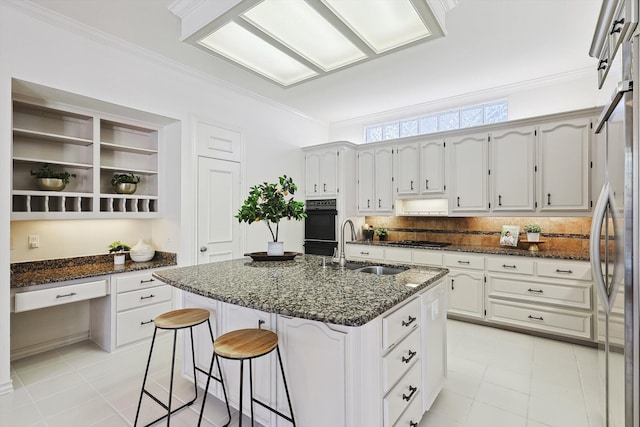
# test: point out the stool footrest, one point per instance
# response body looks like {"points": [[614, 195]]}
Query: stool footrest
{"points": [[166, 407], [275, 411], [199, 369]]}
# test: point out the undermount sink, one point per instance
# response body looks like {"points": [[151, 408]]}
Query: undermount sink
{"points": [[380, 270]]}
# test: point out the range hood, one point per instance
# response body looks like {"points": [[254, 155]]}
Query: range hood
{"points": [[422, 207]]}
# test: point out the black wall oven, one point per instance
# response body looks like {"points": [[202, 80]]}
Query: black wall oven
{"points": [[320, 227]]}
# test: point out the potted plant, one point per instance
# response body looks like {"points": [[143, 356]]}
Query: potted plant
{"points": [[125, 183], [51, 180], [381, 233], [270, 203], [533, 231], [118, 249], [367, 232]]}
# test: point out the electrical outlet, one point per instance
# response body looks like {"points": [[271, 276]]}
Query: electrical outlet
{"points": [[34, 241]]}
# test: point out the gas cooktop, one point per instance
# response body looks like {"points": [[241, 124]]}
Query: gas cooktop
{"points": [[421, 243]]}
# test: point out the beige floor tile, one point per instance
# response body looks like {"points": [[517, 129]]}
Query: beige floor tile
{"points": [[25, 415], [503, 398], [54, 385], [483, 415], [452, 406], [65, 400], [508, 379], [44, 372], [557, 413], [82, 415]]}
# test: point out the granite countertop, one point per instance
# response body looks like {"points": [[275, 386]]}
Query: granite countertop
{"points": [[491, 250], [302, 287], [24, 274]]}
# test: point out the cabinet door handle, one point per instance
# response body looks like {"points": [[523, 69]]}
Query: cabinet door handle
{"points": [[324, 187], [364, 253], [563, 271], [535, 318], [549, 199], [411, 185], [412, 391], [150, 296], [508, 266], [538, 291], [413, 423], [426, 184], [463, 262], [368, 203], [499, 200], [452, 287], [617, 25], [379, 203], [408, 359], [146, 323], [315, 188], [147, 281], [66, 295], [458, 201], [409, 321], [602, 65]]}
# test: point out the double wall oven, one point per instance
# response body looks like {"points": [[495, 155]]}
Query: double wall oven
{"points": [[320, 227]]}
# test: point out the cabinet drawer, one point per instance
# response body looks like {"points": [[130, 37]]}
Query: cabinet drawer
{"points": [[374, 253], [475, 262], [397, 255], [397, 324], [402, 395], [515, 265], [426, 257], [135, 282], [32, 300], [143, 297], [403, 355], [539, 318], [565, 270], [136, 324], [412, 416], [572, 295]]}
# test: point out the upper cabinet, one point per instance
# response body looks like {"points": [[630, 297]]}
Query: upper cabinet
{"points": [[321, 173], [469, 173], [432, 167], [513, 169], [92, 147], [407, 170], [375, 180], [419, 169], [563, 165]]}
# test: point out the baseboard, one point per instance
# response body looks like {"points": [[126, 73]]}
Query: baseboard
{"points": [[6, 388], [20, 353]]}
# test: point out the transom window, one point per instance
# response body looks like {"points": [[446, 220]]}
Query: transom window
{"points": [[461, 118]]}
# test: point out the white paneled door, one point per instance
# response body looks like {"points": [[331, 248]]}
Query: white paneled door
{"points": [[218, 202]]}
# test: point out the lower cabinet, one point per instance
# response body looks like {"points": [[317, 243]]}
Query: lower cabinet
{"points": [[466, 293]]}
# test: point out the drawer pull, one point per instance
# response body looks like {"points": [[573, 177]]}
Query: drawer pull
{"points": [[364, 253], [408, 359], [146, 323], [150, 296], [147, 281], [412, 391], [538, 291], [409, 321], [535, 318], [66, 295], [452, 287], [413, 424], [563, 271], [508, 266], [463, 262]]}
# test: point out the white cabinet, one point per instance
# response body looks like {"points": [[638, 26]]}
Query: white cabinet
{"points": [[512, 169], [321, 173], [469, 174], [563, 165], [466, 284], [375, 180], [432, 167], [407, 170], [434, 343]]}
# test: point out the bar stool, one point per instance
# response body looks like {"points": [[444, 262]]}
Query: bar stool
{"points": [[176, 320], [247, 344]]}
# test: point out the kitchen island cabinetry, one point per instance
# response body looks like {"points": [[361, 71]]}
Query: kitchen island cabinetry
{"points": [[469, 174]]}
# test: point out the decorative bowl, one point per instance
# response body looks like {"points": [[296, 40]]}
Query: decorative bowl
{"points": [[51, 184], [125, 188]]}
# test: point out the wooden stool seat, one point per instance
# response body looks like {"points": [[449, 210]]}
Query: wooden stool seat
{"points": [[179, 319], [245, 343]]}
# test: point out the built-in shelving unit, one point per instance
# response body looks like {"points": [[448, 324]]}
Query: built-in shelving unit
{"points": [[91, 145]]}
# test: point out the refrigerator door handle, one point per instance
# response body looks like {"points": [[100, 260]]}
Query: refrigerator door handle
{"points": [[622, 88], [594, 246]]}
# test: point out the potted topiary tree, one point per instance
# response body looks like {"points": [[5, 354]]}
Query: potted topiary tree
{"points": [[118, 249], [533, 231], [271, 203], [51, 180]]}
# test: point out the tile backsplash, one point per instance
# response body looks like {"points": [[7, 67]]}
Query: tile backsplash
{"points": [[559, 233]]}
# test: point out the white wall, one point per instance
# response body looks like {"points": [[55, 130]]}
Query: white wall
{"points": [[73, 59]]}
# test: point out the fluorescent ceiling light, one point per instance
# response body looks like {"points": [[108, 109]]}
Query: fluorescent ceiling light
{"points": [[290, 41]]}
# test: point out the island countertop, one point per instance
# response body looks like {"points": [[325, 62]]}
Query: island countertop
{"points": [[302, 288]]}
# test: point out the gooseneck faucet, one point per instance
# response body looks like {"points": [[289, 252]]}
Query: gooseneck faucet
{"points": [[343, 260]]}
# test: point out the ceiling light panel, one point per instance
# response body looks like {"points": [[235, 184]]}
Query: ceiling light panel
{"points": [[383, 24], [299, 27], [245, 48]]}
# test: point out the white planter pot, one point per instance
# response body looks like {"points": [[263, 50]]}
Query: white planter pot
{"points": [[118, 259], [533, 237], [275, 248], [141, 252]]}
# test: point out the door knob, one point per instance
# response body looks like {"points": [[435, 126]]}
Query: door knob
{"points": [[203, 249]]}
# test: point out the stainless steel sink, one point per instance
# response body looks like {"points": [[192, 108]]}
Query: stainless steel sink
{"points": [[380, 270]]}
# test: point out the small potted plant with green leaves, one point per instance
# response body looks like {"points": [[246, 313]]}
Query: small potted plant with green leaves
{"points": [[51, 180], [533, 231], [125, 183], [118, 250], [271, 203], [382, 234], [367, 232]]}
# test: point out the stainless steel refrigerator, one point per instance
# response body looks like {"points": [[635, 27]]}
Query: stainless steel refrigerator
{"points": [[615, 247]]}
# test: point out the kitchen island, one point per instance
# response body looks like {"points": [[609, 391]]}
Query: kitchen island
{"points": [[359, 349]]}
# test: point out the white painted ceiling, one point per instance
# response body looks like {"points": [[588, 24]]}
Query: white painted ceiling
{"points": [[490, 43]]}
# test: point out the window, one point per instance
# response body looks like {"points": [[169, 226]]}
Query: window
{"points": [[461, 118]]}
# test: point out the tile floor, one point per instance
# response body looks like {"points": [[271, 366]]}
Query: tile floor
{"points": [[496, 378]]}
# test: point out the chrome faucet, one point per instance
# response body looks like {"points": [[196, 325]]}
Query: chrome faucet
{"points": [[343, 260]]}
